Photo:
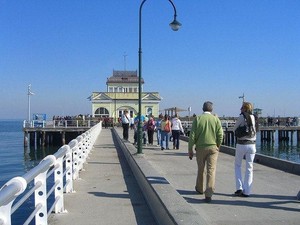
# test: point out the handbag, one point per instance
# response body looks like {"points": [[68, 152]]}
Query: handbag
{"points": [[241, 131], [167, 127], [247, 129]]}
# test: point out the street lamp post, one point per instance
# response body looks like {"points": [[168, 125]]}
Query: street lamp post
{"points": [[175, 25]]}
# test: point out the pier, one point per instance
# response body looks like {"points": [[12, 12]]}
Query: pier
{"points": [[54, 132], [118, 186], [267, 134], [61, 132]]}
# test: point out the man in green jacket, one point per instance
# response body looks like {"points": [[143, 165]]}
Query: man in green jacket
{"points": [[206, 135]]}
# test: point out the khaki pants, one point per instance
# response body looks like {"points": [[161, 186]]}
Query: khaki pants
{"points": [[208, 157]]}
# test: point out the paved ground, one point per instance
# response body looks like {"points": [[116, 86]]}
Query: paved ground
{"points": [[108, 193]]}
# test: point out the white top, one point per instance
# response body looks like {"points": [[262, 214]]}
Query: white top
{"points": [[176, 124], [126, 118]]}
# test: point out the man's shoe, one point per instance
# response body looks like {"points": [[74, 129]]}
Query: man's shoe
{"points": [[244, 196], [201, 193], [162, 148], [238, 192], [207, 199]]}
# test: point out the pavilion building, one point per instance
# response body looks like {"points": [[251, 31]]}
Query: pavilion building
{"points": [[122, 92]]}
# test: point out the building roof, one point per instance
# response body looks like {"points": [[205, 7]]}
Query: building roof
{"points": [[121, 76], [104, 96]]}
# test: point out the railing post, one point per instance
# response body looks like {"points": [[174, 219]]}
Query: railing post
{"points": [[87, 142], [40, 195], [76, 159], [80, 156], [9, 192], [70, 168], [59, 190], [83, 149]]}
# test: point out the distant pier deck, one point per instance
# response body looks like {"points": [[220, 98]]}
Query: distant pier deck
{"points": [[267, 134], [54, 132]]}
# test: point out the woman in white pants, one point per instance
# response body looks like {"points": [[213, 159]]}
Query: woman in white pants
{"points": [[246, 146]]}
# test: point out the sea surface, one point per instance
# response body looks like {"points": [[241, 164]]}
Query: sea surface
{"points": [[16, 159]]}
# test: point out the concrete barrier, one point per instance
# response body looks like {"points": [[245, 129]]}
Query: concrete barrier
{"points": [[167, 205]]}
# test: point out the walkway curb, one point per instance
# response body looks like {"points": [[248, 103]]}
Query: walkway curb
{"points": [[167, 205]]}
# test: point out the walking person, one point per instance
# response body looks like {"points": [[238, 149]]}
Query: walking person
{"points": [[165, 127], [206, 135], [245, 147], [150, 129], [158, 128], [145, 133], [176, 129], [125, 124]]}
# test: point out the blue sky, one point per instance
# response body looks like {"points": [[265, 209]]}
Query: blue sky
{"points": [[66, 50]]}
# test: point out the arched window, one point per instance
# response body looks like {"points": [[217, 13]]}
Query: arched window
{"points": [[149, 111], [100, 112]]}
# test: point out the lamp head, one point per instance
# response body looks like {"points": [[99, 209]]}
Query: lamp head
{"points": [[175, 25]]}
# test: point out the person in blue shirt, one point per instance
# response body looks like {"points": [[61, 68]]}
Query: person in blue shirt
{"points": [[136, 123], [158, 128]]}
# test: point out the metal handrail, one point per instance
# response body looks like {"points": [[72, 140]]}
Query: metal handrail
{"points": [[57, 164], [71, 123]]}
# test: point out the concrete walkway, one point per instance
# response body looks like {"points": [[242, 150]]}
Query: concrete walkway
{"points": [[108, 193]]}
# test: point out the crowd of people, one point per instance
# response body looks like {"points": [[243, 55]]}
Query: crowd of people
{"points": [[281, 121], [166, 129], [69, 120]]}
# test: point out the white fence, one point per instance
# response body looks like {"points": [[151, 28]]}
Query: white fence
{"points": [[60, 123], [65, 166]]}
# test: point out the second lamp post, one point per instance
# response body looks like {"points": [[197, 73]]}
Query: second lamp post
{"points": [[175, 25]]}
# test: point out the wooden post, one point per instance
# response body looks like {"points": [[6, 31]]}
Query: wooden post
{"points": [[44, 138], [63, 138], [26, 139]]}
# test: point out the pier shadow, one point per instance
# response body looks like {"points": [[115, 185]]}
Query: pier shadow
{"points": [[274, 202], [108, 195], [141, 210]]}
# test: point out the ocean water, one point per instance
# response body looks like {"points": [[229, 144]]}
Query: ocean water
{"points": [[17, 160], [286, 150]]}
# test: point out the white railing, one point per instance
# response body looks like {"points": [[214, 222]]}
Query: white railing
{"points": [[65, 166], [60, 123]]}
